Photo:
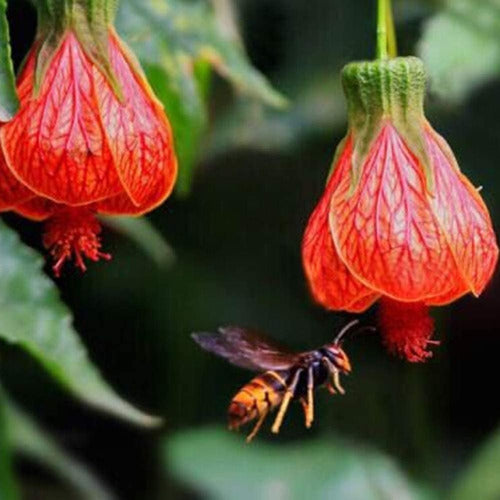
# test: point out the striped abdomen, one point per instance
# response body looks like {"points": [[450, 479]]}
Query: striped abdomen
{"points": [[259, 396]]}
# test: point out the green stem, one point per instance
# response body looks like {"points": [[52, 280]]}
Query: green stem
{"points": [[382, 30], [386, 33], [392, 44]]}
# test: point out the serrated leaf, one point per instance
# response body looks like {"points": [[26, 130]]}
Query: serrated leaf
{"points": [[222, 466], [460, 46], [8, 487], [34, 318], [481, 479], [145, 235], [9, 102], [32, 442]]}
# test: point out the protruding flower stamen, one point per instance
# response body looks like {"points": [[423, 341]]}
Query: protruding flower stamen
{"points": [[72, 234], [398, 221], [407, 329], [119, 160]]}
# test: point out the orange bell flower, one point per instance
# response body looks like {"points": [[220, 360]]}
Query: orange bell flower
{"points": [[90, 136], [398, 221]]}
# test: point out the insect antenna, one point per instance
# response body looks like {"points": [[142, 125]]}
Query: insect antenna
{"points": [[340, 337]]}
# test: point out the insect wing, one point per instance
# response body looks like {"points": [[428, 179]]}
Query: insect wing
{"points": [[247, 349]]}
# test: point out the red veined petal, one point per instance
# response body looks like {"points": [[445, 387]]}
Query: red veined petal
{"points": [[385, 230], [120, 205], [37, 208], [463, 217], [331, 283], [12, 192], [454, 293], [362, 304], [138, 132], [56, 144]]}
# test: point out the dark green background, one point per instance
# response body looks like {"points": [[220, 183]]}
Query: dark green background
{"points": [[237, 237]]}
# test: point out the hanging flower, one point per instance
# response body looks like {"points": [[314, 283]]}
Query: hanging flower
{"points": [[398, 222], [90, 136]]}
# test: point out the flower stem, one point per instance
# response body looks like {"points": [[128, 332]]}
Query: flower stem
{"points": [[392, 44], [386, 33]]}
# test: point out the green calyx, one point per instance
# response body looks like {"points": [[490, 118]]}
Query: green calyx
{"points": [[89, 20], [387, 90]]}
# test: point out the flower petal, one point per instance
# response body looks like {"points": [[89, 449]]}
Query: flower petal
{"points": [[120, 205], [37, 208], [331, 283], [12, 192], [463, 216], [56, 144], [385, 230], [138, 132]]}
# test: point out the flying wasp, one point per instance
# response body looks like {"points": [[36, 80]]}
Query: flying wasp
{"points": [[288, 375]]}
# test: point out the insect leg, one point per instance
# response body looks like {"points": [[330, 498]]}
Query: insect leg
{"points": [[290, 392], [303, 402], [336, 382], [310, 398], [258, 425], [261, 419], [330, 388], [335, 375]]}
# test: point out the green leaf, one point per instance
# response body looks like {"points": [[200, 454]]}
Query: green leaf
{"points": [[9, 102], [29, 440], [181, 92], [178, 43], [8, 487], [481, 479], [34, 318], [158, 27], [222, 466], [145, 235], [461, 47], [319, 107]]}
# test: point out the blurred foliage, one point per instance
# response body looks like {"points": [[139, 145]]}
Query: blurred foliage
{"points": [[177, 42], [326, 468], [8, 488], [145, 235], [27, 439], [461, 47], [481, 478], [8, 96], [318, 106], [237, 244], [34, 318]]}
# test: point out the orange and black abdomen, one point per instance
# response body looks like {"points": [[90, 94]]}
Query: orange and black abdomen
{"points": [[260, 395]]}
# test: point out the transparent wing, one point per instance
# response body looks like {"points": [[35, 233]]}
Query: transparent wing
{"points": [[247, 349]]}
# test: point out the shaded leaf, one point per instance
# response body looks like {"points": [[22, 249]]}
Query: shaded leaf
{"points": [[8, 488], [181, 91], [460, 46], [318, 108], [328, 468], [145, 235], [34, 318], [157, 27], [31, 441], [178, 42], [8, 96], [481, 479]]}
